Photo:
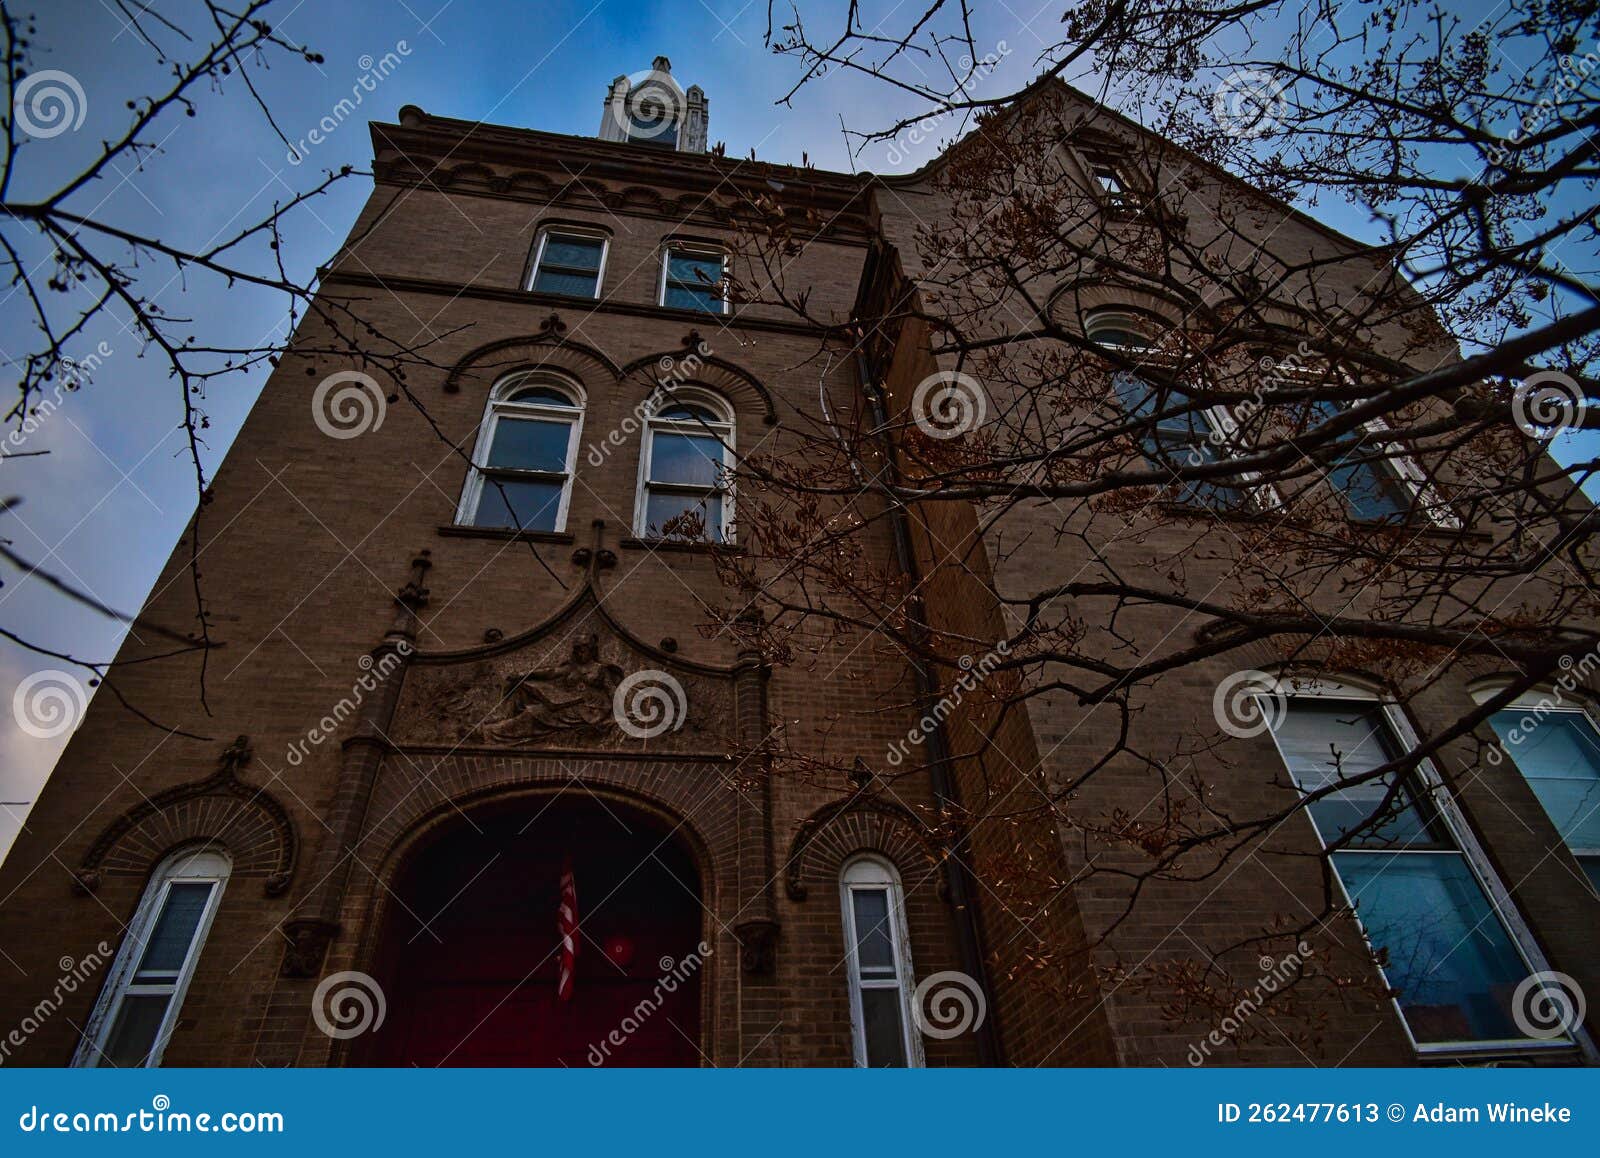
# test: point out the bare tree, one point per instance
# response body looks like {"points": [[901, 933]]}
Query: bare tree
{"points": [[78, 268], [1280, 440]]}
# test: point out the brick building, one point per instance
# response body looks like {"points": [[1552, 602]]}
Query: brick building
{"points": [[463, 666]]}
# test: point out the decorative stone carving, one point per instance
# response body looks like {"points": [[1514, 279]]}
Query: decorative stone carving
{"points": [[758, 946], [571, 696], [309, 939]]}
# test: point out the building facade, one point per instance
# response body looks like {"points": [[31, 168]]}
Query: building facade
{"points": [[481, 787]]}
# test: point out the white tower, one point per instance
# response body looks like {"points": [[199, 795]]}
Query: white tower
{"points": [[649, 108]]}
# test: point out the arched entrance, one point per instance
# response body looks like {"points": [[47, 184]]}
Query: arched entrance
{"points": [[469, 953]]}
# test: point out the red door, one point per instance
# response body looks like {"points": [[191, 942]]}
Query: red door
{"points": [[470, 951]]}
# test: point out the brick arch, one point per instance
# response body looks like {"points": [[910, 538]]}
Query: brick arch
{"points": [[1069, 303], [687, 366], [221, 809], [836, 832], [482, 367], [418, 792]]}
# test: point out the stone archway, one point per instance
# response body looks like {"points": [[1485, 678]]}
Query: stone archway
{"points": [[468, 953]]}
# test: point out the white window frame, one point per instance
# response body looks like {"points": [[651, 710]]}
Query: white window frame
{"points": [[1536, 699], [1425, 498], [574, 231], [869, 872], [723, 428], [499, 406], [692, 249], [1429, 784], [191, 866]]}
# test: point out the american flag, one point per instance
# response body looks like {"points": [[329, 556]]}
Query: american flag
{"points": [[567, 924]]}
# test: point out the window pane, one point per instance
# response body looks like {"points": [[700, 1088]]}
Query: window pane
{"points": [[682, 298], [133, 1036], [647, 128], [1559, 753], [1591, 867], [1370, 490], [690, 459], [874, 946], [572, 253], [555, 281], [530, 444], [542, 395], [679, 516], [882, 1027], [1324, 741], [169, 941], [524, 504], [694, 270], [1447, 953]]}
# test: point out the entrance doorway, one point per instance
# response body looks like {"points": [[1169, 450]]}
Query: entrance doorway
{"points": [[470, 951]]}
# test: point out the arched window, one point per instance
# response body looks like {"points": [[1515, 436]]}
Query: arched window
{"points": [[878, 959], [1554, 743], [1119, 329], [138, 1008], [1424, 892], [1180, 434], [683, 469], [521, 476]]}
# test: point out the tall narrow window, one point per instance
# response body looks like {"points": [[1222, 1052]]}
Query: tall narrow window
{"points": [[693, 279], [687, 454], [1419, 898], [879, 963], [521, 476], [568, 262], [1558, 750], [139, 1006]]}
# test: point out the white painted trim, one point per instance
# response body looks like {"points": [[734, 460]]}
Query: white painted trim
{"points": [[723, 429], [495, 408], [192, 866], [1477, 861], [692, 249], [866, 871], [570, 231]]}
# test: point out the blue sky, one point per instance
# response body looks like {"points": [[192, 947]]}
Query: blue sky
{"points": [[106, 505]]}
